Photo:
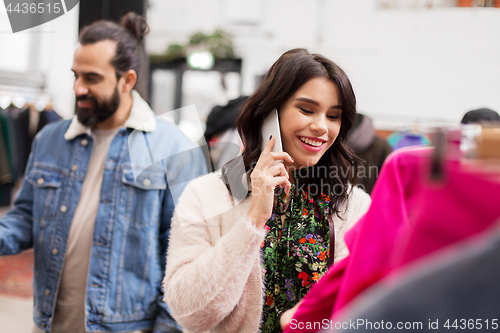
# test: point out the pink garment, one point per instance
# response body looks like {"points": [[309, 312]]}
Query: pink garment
{"points": [[409, 218]]}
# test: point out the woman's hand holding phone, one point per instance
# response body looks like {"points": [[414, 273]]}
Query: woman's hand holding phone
{"points": [[266, 176]]}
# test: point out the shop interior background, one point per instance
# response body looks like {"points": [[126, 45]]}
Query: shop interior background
{"points": [[413, 63], [410, 61]]}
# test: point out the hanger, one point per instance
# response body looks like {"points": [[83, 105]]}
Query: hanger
{"points": [[42, 101], [438, 155]]}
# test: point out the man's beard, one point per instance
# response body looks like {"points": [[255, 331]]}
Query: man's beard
{"points": [[100, 112]]}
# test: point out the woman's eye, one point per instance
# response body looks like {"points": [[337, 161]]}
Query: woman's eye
{"points": [[334, 117], [305, 111]]}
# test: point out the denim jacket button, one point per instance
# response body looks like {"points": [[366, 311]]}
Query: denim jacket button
{"points": [[55, 251], [43, 325], [40, 181], [64, 209], [84, 142], [74, 167], [47, 292], [146, 182]]}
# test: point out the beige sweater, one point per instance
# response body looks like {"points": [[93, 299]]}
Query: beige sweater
{"points": [[213, 280]]}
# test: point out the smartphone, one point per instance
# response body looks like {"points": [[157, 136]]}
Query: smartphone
{"points": [[271, 126]]}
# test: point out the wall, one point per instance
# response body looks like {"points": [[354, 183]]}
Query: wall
{"points": [[407, 66], [15, 51], [45, 51]]}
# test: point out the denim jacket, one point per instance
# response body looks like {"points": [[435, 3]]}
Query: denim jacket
{"points": [[148, 164]]}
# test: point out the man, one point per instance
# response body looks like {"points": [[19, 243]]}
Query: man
{"points": [[95, 207]]}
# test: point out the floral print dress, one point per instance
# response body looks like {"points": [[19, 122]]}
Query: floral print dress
{"points": [[295, 252]]}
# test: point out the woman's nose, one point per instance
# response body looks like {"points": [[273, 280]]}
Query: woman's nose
{"points": [[319, 125]]}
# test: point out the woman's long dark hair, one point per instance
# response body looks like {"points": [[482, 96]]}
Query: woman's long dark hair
{"points": [[290, 72]]}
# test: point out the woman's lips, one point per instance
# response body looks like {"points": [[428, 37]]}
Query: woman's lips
{"points": [[311, 148]]}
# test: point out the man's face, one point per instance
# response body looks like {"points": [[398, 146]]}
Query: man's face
{"points": [[96, 87]]}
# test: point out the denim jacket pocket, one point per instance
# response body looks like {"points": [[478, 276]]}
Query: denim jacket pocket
{"points": [[143, 194], [46, 191], [149, 179]]}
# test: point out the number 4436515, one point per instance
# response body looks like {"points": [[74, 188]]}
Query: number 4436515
{"points": [[472, 324], [33, 8]]}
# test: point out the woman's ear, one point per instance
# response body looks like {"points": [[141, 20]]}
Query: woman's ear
{"points": [[129, 80]]}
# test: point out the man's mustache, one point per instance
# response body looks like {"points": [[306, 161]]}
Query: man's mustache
{"points": [[86, 99]]}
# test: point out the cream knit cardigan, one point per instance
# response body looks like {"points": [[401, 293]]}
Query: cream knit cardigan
{"points": [[213, 279]]}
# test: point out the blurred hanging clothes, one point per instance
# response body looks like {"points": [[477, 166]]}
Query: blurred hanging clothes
{"points": [[407, 138], [5, 167], [410, 218], [457, 283], [7, 159], [16, 137], [30, 122], [371, 148], [23, 138], [221, 134], [19, 127]]}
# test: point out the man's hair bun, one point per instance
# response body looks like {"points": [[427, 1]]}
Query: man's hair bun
{"points": [[135, 24]]}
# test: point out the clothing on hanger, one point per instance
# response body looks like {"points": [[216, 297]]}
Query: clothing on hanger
{"points": [[5, 169], [221, 133], [372, 149], [223, 118], [18, 129], [407, 138], [410, 218], [15, 136], [27, 129], [456, 287], [7, 154], [23, 138], [34, 118], [47, 116]]}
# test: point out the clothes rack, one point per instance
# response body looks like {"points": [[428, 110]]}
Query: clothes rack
{"points": [[23, 113]]}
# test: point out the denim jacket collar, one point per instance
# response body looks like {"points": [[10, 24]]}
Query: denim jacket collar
{"points": [[141, 117]]}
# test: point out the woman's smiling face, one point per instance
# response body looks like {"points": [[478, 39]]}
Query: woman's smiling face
{"points": [[310, 121]]}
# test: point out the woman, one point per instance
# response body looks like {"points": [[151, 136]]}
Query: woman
{"points": [[239, 256]]}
